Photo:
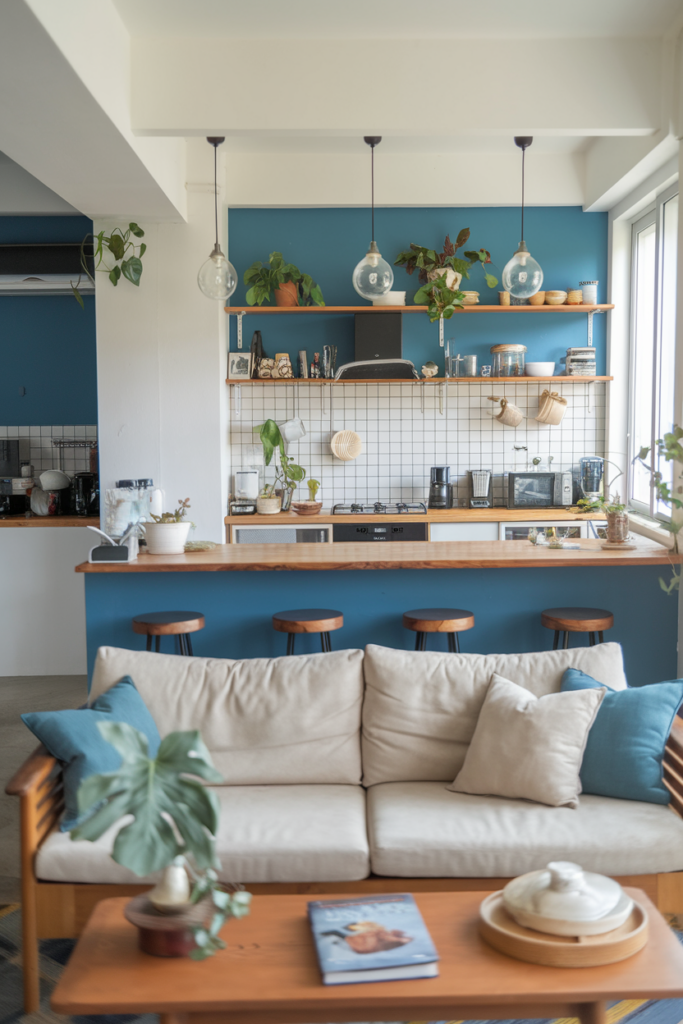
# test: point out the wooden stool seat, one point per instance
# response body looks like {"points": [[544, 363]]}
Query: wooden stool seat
{"points": [[577, 620], [158, 624], [308, 620], [438, 620]]}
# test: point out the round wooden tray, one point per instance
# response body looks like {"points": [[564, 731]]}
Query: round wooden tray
{"points": [[503, 933]]}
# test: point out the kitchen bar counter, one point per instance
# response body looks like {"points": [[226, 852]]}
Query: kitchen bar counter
{"points": [[404, 555], [33, 521], [499, 514]]}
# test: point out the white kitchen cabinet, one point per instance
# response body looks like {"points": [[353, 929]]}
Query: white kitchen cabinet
{"points": [[463, 531]]}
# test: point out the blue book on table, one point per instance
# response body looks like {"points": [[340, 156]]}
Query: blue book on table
{"points": [[379, 939]]}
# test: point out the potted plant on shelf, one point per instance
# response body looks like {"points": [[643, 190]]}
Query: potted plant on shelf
{"points": [[288, 473], [175, 821], [441, 273], [167, 535], [283, 280], [310, 507]]}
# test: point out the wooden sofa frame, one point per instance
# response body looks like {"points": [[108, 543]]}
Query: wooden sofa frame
{"points": [[61, 909]]}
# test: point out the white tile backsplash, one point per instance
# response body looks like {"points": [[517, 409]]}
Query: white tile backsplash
{"points": [[44, 455], [404, 433]]}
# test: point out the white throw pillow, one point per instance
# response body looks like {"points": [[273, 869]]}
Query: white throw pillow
{"points": [[528, 747]]}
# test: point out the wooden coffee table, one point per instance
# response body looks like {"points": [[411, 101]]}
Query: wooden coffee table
{"points": [[269, 973]]}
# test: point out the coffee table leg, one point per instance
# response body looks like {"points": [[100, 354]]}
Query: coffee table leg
{"points": [[592, 1013]]}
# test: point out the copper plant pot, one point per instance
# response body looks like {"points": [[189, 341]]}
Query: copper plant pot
{"points": [[287, 294], [617, 527]]}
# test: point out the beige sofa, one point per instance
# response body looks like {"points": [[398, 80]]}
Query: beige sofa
{"points": [[336, 767]]}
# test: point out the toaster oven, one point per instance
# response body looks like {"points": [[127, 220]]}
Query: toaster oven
{"points": [[540, 490]]}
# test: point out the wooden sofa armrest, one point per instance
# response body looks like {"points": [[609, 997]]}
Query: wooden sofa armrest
{"points": [[40, 785], [673, 765], [33, 771]]}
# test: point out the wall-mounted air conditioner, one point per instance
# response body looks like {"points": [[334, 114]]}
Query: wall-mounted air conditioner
{"points": [[48, 269]]}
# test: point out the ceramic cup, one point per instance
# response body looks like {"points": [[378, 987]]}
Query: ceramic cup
{"points": [[293, 430]]}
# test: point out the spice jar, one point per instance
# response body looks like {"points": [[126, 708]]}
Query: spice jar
{"points": [[508, 360]]}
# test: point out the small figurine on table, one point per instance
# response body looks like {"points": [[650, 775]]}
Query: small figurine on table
{"points": [[315, 365]]}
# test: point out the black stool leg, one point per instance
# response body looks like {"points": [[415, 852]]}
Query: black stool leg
{"points": [[556, 639], [591, 639], [326, 642], [565, 645], [323, 643], [418, 640], [149, 642], [188, 646], [290, 643], [457, 643], [600, 636], [451, 643], [183, 643], [157, 643]]}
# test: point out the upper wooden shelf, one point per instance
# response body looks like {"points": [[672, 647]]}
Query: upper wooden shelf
{"points": [[424, 380], [417, 309]]}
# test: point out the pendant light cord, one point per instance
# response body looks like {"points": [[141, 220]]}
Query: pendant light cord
{"points": [[372, 164], [215, 194], [523, 156]]}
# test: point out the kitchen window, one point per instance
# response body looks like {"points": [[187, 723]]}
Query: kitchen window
{"points": [[653, 344]]}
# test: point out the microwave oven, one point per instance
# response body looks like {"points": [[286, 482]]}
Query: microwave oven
{"points": [[539, 490]]}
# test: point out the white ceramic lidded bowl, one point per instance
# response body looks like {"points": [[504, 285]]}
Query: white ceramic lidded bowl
{"points": [[562, 899], [539, 369]]}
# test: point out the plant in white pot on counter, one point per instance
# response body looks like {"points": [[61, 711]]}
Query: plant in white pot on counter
{"points": [[167, 534], [287, 474]]}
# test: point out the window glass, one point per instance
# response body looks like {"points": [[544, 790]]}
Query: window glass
{"points": [[667, 334], [643, 351]]}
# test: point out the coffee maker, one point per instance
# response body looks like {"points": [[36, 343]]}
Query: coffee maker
{"points": [[86, 494], [440, 487]]}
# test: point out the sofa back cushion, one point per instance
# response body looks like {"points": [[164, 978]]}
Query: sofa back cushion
{"points": [[265, 721], [421, 709]]}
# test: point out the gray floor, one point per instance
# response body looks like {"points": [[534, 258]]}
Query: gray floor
{"points": [[19, 694]]}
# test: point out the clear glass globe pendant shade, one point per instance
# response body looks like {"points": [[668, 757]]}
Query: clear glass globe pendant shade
{"points": [[217, 278], [522, 276], [373, 277]]}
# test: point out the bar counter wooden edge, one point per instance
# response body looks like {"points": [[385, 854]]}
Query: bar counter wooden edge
{"points": [[497, 514], [21, 522], [405, 555]]}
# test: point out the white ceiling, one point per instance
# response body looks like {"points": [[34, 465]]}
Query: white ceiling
{"points": [[400, 19], [294, 142]]}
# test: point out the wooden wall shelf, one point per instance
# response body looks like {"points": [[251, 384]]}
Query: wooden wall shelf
{"points": [[417, 309], [430, 380]]}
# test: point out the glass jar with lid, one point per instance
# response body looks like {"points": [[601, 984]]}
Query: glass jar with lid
{"points": [[508, 360]]}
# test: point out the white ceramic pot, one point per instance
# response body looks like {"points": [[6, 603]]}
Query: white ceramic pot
{"points": [[166, 538], [453, 279], [172, 893], [268, 506]]}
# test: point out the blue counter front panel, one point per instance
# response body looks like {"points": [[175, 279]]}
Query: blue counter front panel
{"points": [[506, 603]]}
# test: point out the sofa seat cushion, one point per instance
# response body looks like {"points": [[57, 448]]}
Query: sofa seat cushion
{"points": [[419, 829], [267, 834]]}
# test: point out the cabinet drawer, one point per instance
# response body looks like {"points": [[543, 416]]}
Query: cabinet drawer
{"points": [[464, 531]]}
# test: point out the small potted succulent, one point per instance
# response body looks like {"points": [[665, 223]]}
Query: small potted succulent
{"points": [[441, 273], [282, 280], [310, 507], [167, 534], [287, 474]]}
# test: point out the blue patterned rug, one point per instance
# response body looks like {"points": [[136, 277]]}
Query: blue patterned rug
{"points": [[54, 954]]}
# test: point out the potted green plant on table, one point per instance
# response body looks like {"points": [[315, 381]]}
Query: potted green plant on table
{"points": [[288, 474], [121, 257], [283, 280], [174, 826], [441, 273], [167, 534]]}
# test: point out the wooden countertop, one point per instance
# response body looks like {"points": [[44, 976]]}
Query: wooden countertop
{"points": [[495, 554], [433, 515], [22, 522]]}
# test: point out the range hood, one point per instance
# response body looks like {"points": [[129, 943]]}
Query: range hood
{"points": [[378, 369], [46, 269]]}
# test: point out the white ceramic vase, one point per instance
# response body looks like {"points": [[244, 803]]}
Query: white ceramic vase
{"points": [[453, 278], [172, 893], [166, 538], [268, 506]]}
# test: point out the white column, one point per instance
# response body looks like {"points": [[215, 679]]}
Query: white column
{"points": [[162, 364]]}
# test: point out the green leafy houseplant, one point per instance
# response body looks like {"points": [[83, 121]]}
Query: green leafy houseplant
{"points": [[174, 815], [287, 473], [264, 280], [436, 293], [177, 516], [121, 257], [670, 449]]}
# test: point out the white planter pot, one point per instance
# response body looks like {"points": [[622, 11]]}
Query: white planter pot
{"points": [[453, 279], [268, 506], [166, 538]]}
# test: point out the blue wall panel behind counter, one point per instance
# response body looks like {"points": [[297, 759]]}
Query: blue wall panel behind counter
{"points": [[570, 245], [47, 343]]}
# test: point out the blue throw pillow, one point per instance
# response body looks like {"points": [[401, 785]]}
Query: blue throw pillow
{"points": [[623, 756], [74, 739]]}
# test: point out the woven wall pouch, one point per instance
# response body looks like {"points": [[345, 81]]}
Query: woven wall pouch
{"points": [[509, 414], [551, 408]]}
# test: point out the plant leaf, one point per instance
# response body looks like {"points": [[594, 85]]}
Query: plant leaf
{"points": [[116, 245], [78, 297], [136, 230], [462, 238], [132, 269], [143, 249], [114, 275]]}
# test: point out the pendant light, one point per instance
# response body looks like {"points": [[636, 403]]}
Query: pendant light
{"points": [[373, 277], [217, 278], [522, 276]]}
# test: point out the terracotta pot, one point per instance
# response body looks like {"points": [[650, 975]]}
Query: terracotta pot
{"points": [[287, 294]]}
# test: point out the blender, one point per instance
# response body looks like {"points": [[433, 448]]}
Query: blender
{"points": [[591, 472]]}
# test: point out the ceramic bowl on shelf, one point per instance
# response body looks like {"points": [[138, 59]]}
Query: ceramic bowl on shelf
{"points": [[307, 508], [539, 369], [470, 298], [391, 299], [555, 298]]}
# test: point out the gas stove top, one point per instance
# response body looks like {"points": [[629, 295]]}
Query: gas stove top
{"points": [[379, 508]]}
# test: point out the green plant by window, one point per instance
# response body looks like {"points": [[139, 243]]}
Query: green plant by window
{"points": [[266, 279], [606, 505], [670, 449], [121, 257], [174, 815], [441, 300], [173, 517], [288, 473]]}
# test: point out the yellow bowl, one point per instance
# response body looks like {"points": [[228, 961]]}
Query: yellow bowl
{"points": [[538, 299], [555, 298]]}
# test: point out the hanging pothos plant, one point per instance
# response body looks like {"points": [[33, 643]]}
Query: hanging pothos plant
{"points": [[120, 255], [437, 292]]}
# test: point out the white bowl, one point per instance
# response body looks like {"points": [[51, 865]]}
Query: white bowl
{"points": [[391, 299], [539, 369], [54, 480]]}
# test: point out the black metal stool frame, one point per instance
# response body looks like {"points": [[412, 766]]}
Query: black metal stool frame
{"points": [[565, 642], [453, 642], [325, 643], [184, 642]]}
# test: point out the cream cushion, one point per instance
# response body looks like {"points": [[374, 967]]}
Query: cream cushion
{"points": [[267, 834], [529, 747], [265, 721], [418, 829], [421, 708]]}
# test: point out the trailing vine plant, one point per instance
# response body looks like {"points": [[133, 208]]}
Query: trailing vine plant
{"points": [[670, 449], [120, 255]]}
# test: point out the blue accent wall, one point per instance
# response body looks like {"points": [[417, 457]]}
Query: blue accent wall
{"points": [[570, 245], [507, 605], [47, 343]]}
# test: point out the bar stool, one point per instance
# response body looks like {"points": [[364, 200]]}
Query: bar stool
{"points": [[158, 624], [452, 621], [308, 620], [577, 620]]}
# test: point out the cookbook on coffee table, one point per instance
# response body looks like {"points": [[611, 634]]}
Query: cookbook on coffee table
{"points": [[378, 939]]}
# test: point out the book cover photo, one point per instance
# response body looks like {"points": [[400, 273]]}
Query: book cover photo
{"points": [[378, 939]]}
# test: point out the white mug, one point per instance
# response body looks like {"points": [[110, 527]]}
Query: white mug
{"points": [[293, 430]]}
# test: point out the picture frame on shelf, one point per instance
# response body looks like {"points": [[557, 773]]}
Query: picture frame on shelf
{"points": [[239, 365]]}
